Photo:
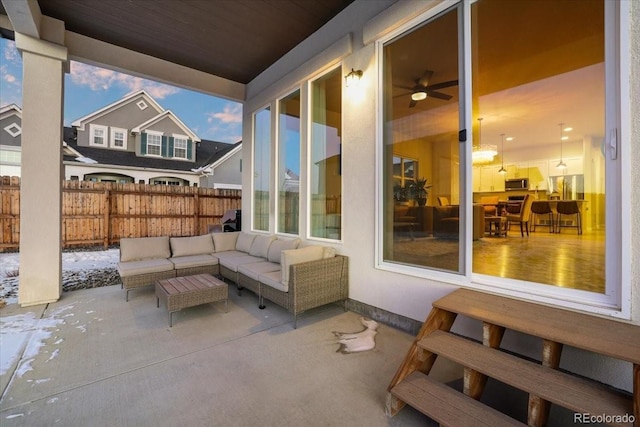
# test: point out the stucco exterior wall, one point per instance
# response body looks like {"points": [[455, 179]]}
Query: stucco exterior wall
{"points": [[396, 292]]}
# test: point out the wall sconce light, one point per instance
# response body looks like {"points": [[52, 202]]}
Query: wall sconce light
{"points": [[353, 78]]}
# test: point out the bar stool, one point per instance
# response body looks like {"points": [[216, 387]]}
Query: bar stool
{"points": [[542, 208], [569, 207]]}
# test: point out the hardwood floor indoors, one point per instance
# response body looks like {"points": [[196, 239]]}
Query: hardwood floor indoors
{"points": [[563, 259]]}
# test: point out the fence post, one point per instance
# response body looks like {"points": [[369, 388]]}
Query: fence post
{"points": [[196, 212], [107, 220]]}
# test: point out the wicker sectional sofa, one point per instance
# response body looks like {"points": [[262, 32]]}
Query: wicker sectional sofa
{"points": [[287, 272]]}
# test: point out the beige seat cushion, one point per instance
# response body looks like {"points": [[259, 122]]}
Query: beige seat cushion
{"points": [[194, 245], [254, 270], [223, 242], [139, 248], [233, 263], [260, 245], [194, 261], [297, 256], [228, 254], [279, 245], [134, 268], [244, 242], [274, 280]]}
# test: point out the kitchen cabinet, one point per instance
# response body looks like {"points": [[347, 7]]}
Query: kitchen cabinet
{"points": [[490, 179]]}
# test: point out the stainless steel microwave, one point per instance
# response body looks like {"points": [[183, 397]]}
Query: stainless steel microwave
{"points": [[516, 184]]}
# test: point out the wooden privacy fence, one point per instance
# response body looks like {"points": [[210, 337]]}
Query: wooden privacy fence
{"points": [[103, 213]]}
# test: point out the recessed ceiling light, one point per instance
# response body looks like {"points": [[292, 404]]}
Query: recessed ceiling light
{"points": [[568, 129], [509, 138]]}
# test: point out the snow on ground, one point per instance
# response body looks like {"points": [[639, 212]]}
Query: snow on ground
{"points": [[77, 266], [22, 335]]}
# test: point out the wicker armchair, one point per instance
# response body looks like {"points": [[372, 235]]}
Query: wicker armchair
{"points": [[311, 284]]}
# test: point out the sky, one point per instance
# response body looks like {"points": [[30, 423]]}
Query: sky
{"points": [[89, 88]]}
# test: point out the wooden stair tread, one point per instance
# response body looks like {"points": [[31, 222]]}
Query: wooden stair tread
{"points": [[573, 393], [595, 334], [446, 405]]}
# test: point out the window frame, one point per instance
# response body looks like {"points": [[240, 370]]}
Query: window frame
{"points": [[266, 107], [92, 135], [308, 149], [616, 302], [181, 138], [276, 159], [149, 144], [112, 138]]}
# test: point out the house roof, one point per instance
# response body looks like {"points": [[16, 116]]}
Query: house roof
{"points": [[235, 40], [207, 152], [167, 113], [117, 104], [7, 110]]}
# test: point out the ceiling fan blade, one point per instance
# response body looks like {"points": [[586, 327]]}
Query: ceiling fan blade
{"points": [[438, 95], [412, 103], [442, 85], [426, 77], [403, 87], [402, 94]]}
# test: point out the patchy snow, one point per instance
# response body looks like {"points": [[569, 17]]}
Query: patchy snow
{"points": [[23, 335], [78, 263]]}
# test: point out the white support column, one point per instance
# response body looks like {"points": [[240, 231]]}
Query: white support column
{"points": [[44, 65]]}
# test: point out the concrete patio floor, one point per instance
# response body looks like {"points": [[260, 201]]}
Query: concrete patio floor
{"points": [[106, 362]]}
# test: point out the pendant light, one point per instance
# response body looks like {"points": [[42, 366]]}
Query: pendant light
{"points": [[502, 170], [482, 153], [561, 164]]}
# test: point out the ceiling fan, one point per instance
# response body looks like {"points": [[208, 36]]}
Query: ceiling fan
{"points": [[422, 89]]}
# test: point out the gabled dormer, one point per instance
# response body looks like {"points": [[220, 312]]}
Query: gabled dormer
{"points": [[10, 125], [166, 136], [110, 127]]}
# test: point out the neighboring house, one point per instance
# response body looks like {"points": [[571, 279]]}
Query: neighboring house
{"points": [[131, 140], [135, 140], [10, 140]]}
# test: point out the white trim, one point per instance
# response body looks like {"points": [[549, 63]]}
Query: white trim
{"points": [[167, 113], [154, 133], [112, 138], [7, 108], [92, 131], [13, 133], [615, 303], [142, 105], [184, 138], [81, 122]]}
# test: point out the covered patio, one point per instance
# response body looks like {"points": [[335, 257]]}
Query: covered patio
{"points": [[93, 359]]}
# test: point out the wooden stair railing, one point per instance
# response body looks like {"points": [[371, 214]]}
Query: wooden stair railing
{"points": [[544, 383]]}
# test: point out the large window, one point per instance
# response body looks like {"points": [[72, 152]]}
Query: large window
{"points": [[154, 144], [118, 138], [179, 147], [289, 163], [261, 168], [98, 135], [526, 154], [325, 167]]}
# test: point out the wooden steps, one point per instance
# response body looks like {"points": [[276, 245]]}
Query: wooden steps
{"points": [[446, 405], [542, 381]]}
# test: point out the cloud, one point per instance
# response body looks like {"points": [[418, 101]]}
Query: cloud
{"points": [[231, 113], [226, 125], [101, 79], [11, 54]]}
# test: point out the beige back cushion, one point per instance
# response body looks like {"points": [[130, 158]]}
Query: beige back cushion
{"points": [[244, 241], [260, 245], [135, 249], [225, 241], [277, 246], [195, 245], [297, 256]]}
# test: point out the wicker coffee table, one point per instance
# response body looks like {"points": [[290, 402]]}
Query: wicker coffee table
{"points": [[189, 291]]}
